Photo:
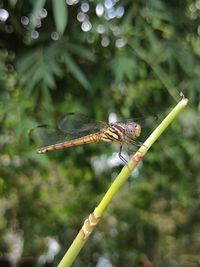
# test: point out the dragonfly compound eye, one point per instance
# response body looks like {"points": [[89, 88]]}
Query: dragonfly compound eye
{"points": [[137, 130], [134, 129]]}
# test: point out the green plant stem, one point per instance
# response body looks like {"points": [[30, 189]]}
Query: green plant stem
{"points": [[93, 218]]}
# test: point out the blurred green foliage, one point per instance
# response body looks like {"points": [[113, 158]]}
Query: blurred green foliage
{"points": [[132, 65]]}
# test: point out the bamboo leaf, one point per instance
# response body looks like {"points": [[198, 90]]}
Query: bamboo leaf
{"points": [[75, 70], [38, 5], [60, 13], [80, 51]]}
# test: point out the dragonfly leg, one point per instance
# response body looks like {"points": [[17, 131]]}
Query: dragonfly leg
{"points": [[132, 146], [141, 144], [120, 155], [137, 144], [132, 149]]}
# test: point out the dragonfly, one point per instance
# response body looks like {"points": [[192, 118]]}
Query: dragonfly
{"points": [[76, 129]]}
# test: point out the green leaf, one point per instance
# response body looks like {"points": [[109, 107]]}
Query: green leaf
{"points": [[39, 66], [60, 13], [38, 5], [124, 67], [75, 70], [80, 51], [13, 2]]}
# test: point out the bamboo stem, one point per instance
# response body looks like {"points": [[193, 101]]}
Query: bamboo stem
{"points": [[93, 219]]}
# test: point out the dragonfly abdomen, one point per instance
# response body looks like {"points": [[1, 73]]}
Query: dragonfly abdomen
{"points": [[76, 142], [113, 132]]}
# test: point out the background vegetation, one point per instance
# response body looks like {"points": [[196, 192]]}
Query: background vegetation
{"points": [[100, 58]]}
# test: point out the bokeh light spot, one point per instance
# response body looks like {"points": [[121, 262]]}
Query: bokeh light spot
{"points": [[197, 4], [85, 7], [198, 30], [108, 4], [34, 34], [111, 13], [38, 24], [99, 10], [43, 13], [71, 2], [100, 29], [81, 16], [119, 11], [3, 15], [86, 26], [120, 42], [24, 20], [105, 41], [9, 28], [55, 36]]}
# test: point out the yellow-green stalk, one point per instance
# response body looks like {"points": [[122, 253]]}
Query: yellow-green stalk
{"points": [[94, 217]]}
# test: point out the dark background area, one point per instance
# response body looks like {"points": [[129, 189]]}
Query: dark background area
{"points": [[99, 58]]}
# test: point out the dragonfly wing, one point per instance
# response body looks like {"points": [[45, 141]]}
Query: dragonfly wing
{"points": [[43, 135], [78, 123], [142, 121]]}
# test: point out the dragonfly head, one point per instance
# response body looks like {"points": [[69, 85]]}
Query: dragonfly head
{"points": [[134, 129]]}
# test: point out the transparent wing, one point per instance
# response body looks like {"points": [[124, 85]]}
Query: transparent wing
{"points": [[77, 123], [43, 135], [142, 121], [72, 126]]}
